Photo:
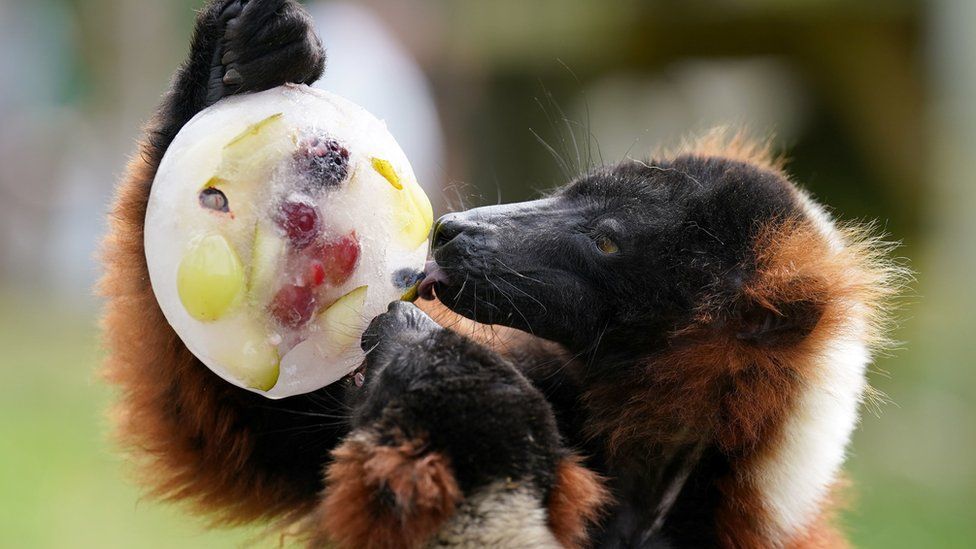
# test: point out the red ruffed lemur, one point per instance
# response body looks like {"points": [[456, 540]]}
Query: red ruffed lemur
{"points": [[695, 326]]}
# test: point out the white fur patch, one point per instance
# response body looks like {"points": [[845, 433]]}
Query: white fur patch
{"points": [[795, 478], [821, 219], [498, 516]]}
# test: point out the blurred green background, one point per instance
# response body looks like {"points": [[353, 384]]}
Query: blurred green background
{"points": [[873, 101]]}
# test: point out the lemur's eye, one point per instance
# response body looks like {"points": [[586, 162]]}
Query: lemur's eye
{"points": [[214, 199], [607, 245]]}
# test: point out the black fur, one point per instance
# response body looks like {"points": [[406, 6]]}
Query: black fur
{"points": [[681, 227], [261, 44], [268, 43], [427, 382], [683, 232], [470, 402]]}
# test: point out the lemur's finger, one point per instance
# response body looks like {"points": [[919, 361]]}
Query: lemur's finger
{"points": [[263, 44], [266, 71]]}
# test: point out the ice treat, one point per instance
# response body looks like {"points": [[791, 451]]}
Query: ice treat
{"points": [[278, 225]]}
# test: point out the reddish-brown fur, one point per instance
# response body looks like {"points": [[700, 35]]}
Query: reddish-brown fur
{"points": [[739, 393], [575, 502], [382, 496], [180, 422], [822, 532]]}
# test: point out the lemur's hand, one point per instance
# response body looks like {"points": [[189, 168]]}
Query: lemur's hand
{"points": [[402, 324], [259, 44], [440, 420], [238, 46]]}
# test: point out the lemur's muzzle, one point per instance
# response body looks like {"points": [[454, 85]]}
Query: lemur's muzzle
{"points": [[477, 233]]}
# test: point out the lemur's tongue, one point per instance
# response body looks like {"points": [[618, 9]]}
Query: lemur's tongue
{"points": [[433, 274]]}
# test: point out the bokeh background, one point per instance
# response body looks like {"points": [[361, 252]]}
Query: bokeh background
{"points": [[873, 101]]}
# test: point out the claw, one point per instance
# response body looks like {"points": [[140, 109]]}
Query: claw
{"points": [[232, 10], [233, 78]]}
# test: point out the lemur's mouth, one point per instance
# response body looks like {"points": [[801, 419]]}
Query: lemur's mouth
{"points": [[433, 275]]}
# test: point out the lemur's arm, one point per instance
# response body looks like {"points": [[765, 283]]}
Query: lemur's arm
{"points": [[224, 450], [549, 365], [451, 447], [238, 46]]}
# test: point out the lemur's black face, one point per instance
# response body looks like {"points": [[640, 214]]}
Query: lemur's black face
{"points": [[429, 383], [622, 253]]}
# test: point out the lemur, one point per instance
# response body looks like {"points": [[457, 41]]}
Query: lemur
{"points": [[695, 325], [445, 443], [451, 447], [714, 326]]}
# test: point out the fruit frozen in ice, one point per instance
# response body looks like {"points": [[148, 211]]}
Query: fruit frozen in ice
{"points": [[413, 214], [342, 322], [210, 278], [267, 257], [300, 222], [293, 305], [384, 168], [214, 199], [408, 280], [339, 258], [270, 216], [323, 161], [251, 356]]}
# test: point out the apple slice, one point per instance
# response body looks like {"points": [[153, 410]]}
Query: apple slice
{"points": [[210, 278], [247, 161], [267, 256], [249, 355], [384, 168], [343, 322], [414, 215], [251, 147]]}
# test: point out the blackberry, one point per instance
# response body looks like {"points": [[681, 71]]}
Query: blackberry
{"points": [[407, 278], [323, 162]]}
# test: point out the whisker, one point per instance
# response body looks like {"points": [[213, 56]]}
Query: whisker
{"points": [[512, 302], [518, 274], [567, 172]]}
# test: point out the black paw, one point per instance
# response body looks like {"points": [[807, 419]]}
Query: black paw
{"points": [[258, 45], [402, 324]]}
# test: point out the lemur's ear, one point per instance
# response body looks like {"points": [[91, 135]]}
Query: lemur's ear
{"points": [[377, 493], [761, 322], [575, 502]]}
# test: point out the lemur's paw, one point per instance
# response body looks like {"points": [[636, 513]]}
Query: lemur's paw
{"points": [[261, 44], [402, 324]]}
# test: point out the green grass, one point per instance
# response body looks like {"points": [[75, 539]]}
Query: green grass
{"points": [[63, 485], [61, 481]]}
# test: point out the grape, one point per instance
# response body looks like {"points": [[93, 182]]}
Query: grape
{"points": [[210, 278], [406, 278], [300, 222], [293, 305], [339, 257], [214, 199], [316, 273]]}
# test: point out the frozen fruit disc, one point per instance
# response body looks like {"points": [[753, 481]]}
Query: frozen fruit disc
{"points": [[278, 225]]}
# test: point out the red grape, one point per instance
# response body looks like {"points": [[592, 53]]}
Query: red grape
{"points": [[300, 222], [315, 274], [339, 257], [293, 306]]}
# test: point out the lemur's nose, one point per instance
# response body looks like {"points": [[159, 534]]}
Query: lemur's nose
{"points": [[450, 226], [443, 233]]}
